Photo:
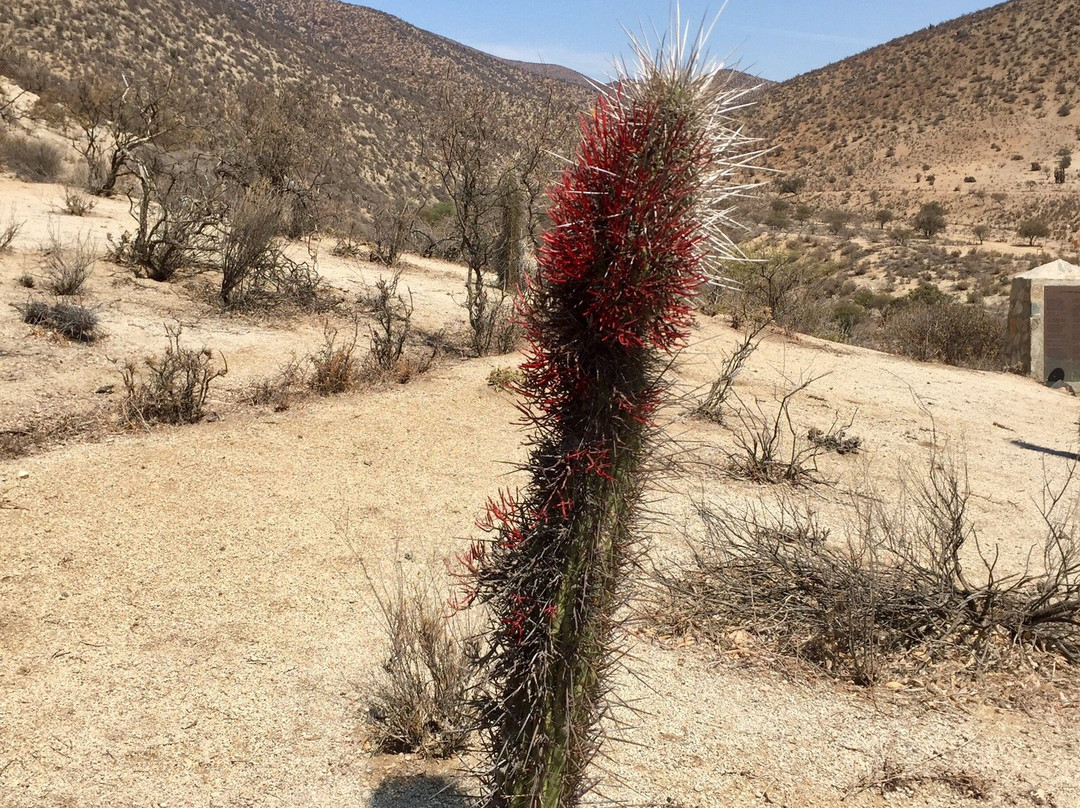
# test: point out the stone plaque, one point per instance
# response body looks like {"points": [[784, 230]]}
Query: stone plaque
{"points": [[1061, 323]]}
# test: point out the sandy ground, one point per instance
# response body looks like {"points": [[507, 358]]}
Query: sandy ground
{"points": [[185, 616]]}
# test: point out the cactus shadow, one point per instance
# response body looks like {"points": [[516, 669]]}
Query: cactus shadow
{"points": [[419, 791]]}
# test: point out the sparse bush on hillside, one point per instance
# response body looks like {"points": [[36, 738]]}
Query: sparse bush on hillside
{"points": [[177, 209], [790, 185], [117, 121], [76, 202], [712, 405], [768, 447], [980, 231], [493, 327], [836, 220], [930, 220], [30, 160], [883, 216], [395, 222], [287, 139], [947, 331], [393, 326], [494, 173], [779, 284], [255, 269], [175, 387], [335, 367], [1033, 228]]}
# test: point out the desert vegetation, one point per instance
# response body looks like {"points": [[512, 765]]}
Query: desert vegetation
{"points": [[225, 255]]}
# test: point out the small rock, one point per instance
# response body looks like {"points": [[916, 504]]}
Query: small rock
{"points": [[105, 388], [23, 474]]}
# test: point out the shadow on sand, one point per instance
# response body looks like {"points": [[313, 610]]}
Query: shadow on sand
{"points": [[418, 791], [1034, 447]]}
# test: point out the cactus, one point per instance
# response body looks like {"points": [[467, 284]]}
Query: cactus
{"points": [[635, 217]]}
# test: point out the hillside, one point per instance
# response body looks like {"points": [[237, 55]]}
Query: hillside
{"points": [[384, 75], [973, 105]]}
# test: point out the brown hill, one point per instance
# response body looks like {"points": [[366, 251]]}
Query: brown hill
{"points": [[972, 105], [384, 74]]}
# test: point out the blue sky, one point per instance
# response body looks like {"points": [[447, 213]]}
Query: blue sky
{"points": [[776, 39]]}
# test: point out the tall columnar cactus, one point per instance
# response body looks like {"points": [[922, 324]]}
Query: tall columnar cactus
{"points": [[634, 218]]}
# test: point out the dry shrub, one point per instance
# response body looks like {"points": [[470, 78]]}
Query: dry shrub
{"points": [[73, 321], [31, 160], [768, 447], [255, 269], [393, 321], [835, 438], [889, 774], [278, 389], [42, 432], [76, 203], [953, 333], [176, 385], [68, 263], [493, 328], [890, 597], [422, 700], [9, 228], [335, 368], [503, 378]]}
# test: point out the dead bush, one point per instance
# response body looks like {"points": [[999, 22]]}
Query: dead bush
{"points": [[393, 322], [76, 322], [781, 285], [68, 263], [892, 595], [768, 447], [279, 389], [393, 229], [712, 406], [255, 269], [835, 438], [41, 432], [31, 160], [493, 328], [175, 387], [421, 702], [177, 209]]}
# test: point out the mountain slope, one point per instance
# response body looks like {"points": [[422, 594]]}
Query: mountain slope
{"points": [[983, 96], [384, 75]]}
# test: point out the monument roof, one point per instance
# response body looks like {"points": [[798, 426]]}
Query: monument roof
{"points": [[1058, 269]]}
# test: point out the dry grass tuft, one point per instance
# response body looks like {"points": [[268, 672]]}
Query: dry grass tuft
{"points": [[421, 702], [68, 263]]}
